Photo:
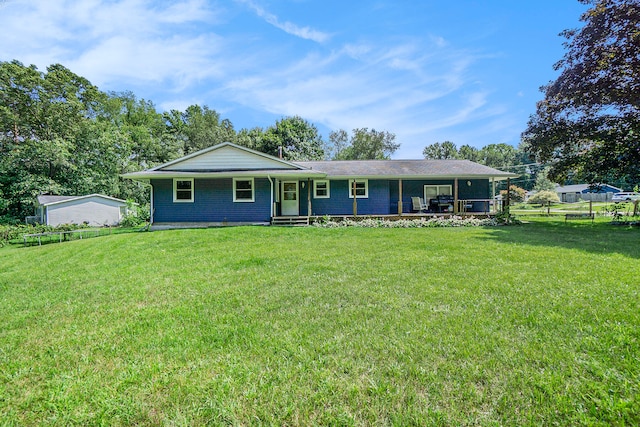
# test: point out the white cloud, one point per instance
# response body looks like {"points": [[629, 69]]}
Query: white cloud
{"points": [[306, 33], [115, 42]]}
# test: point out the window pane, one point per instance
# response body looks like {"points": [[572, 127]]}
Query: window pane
{"points": [[243, 185], [183, 195], [183, 185]]}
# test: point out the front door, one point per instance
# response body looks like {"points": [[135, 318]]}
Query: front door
{"points": [[290, 198]]}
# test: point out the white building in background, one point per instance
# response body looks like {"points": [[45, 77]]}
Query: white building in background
{"points": [[94, 209]]}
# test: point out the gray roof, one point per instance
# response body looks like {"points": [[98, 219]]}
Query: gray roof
{"points": [[46, 199], [405, 169], [581, 188]]}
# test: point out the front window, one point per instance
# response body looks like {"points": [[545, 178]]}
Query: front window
{"points": [[183, 190], [432, 191], [321, 189], [361, 188], [243, 190]]}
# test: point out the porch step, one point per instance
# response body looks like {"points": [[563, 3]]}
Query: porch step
{"points": [[291, 221]]}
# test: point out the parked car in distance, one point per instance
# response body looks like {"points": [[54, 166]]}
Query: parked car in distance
{"points": [[625, 197]]}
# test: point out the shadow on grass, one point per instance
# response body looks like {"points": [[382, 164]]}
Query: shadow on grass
{"points": [[598, 238]]}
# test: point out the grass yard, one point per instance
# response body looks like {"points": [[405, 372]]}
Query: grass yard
{"points": [[537, 324]]}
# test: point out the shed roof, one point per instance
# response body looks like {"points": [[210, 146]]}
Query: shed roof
{"points": [[46, 199]]}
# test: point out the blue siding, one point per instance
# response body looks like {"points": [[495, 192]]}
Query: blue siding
{"points": [[213, 202], [378, 202]]}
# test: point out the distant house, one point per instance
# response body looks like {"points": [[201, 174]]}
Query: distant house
{"points": [[228, 184], [94, 209], [574, 193]]}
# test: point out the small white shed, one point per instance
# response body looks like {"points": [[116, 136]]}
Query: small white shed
{"points": [[94, 209]]}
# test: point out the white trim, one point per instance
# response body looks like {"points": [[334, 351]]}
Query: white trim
{"points": [[315, 189], [253, 190], [366, 188], [175, 190]]}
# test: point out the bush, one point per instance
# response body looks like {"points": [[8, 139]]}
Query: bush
{"points": [[516, 194], [544, 197], [453, 221]]}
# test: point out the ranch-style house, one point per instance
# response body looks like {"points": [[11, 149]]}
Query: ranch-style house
{"points": [[231, 185]]}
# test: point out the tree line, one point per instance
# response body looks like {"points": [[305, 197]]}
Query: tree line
{"points": [[59, 134]]}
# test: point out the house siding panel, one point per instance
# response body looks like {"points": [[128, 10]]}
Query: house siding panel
{"points": [[341, 204], [213, 202]]}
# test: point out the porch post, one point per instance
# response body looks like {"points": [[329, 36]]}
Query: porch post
{"points": [[455, 196], [493, 194], [308, 196], [400, 197]]}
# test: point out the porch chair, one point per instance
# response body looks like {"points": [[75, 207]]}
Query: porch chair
{"points": [[418, 204]]}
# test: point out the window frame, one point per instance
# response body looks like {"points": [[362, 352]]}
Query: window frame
{"points": [[235, 190], [327, 188], [366, 188], [191, 190]]}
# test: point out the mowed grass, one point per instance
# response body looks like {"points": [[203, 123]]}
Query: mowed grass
{"points": [[530, 325]]}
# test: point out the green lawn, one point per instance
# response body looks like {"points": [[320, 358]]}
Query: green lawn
{"points": [[536, 324]]}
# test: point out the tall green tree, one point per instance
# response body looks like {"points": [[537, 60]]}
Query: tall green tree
{"points": [[297, 138], [588, 123], [441, 151], [467, 152], [198, 128], [41, 114], [363, 144], [499, 156]]}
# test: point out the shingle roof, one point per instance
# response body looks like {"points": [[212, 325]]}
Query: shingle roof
{"points": [[404, 168], [47, 199]]}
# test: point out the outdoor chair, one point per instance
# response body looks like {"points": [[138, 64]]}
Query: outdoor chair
{"points": [[418, 204]]}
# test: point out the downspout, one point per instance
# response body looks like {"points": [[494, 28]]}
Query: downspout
{"points": [[308, 197], [271, 199], [151, 208]]}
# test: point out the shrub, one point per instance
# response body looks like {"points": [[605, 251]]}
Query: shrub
{"points": [[516, 194], [544, 197], [368, 222]]}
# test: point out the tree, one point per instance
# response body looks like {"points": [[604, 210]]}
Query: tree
{"points": [[499, 156], [468, 152], [543, 183], [41, 116], [441, 151], [297, 138], [588, 123], [198, 128], [364, 144]]}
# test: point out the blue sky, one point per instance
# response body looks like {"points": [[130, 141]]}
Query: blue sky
{"points": [[429, 71]]}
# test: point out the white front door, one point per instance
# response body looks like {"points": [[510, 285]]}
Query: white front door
{"points": [[290, 198]]}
